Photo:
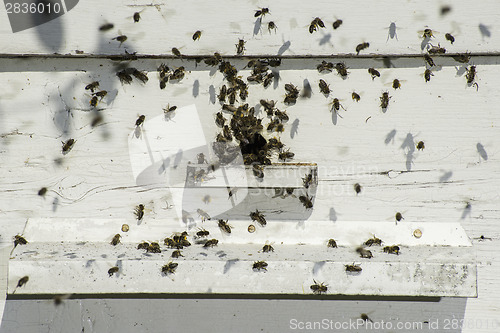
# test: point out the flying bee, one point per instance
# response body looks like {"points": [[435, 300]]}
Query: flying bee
{"points": [[365, 317], [392, 249], [259, 217], [355, 97], [284, 155], [202, 233], [341, 69], [116, 240], [471, 74], [140, 75], [169, 268], [427, 75], [106, 27], [353, 268], [22, 281], [319, 288], [112, 271], [420, 145], [449, 37], [140, 120], [317, 22], [240, 47], [176, 52], [211, 243], [332, 243], [143, 246], [307, 180], [124, 77], [396, 84], [384, 100], [437, 50], [399, 217], [361, 47], [18, 239], [224, 226], [357, 188], [261, 12], [259, 265], [271, 26], [374, 73], [137, 17], [93, 101], [429, 60], [306, 201], [139, 212], [267, 248], [324, 87], [462, 58], [197, 35], [427, 33], [153, 248], [68, 145], [121, 39], [337, 24], [364, 253], [325, 66], [92, 86], [176, 254], [168, 109], [373, 241]]}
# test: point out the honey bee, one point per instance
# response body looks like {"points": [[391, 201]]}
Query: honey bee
{"points": [[384, 100], [106, 27], [462, 58], [332, 243], [427, 75], [121, 39], [112, 271], [258, 171], [259, 217], [202, 233], [140, 120], [319, 288], [211, 243], [449, 37], [178, 73], [268, 79], [284, 155], [396, 84], [124, 77], [261, 12], [355, 97], [399, 217], [169, 268], [325, 66], [374, 73], [197, 35], [471, 74], [168, 109], [373, 241], [140, 75], [337, 24], [68, 145], [224, 226], [42, 191], [143, 246], [420, 145], [307, 180], [176, 254], [93, 101], [222, 94], [92, 86], [22, 281], [272, 26], [18, 239], [357, 188], [336, 105], [317, 22], [240, 47], [306, 201], [364, 253], [361, 47], [275, 143], [437, 50], [365, 317], [324, 87], [427, 33], [176, 52], [353, 268], [291, 89], [214, 60], [137, 17], [429, 60], [101, 94], [281, 115], [341, 69], [116, 240], [169, 242], [267, 248], [259, 265], [392, 249], [153, 248]]}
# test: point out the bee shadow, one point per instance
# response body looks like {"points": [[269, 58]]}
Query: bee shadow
{"points": [[424, 43], [334, 117], [276, 79], [446, 176], [229, 264], [283, 48], [294, 129], [55, 204], [390, 137], [485, 31], [333, 215], [325, 39], [467, 211], [196, 88], [257, 26], [408, 143], [482, 151], [392, 32], [306, 90], [211, 91]]}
